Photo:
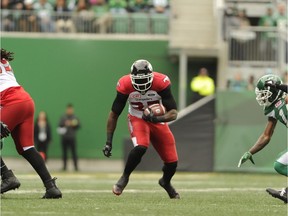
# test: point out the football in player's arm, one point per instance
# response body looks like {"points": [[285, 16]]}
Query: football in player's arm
{"points": [[271, 93]]}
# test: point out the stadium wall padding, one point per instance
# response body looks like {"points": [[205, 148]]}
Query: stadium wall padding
{"points": [[84, 72], [239, 122]]}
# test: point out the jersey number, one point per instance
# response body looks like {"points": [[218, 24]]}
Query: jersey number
{"points": [[140, 106]]}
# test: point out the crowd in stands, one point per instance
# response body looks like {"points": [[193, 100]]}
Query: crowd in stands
{"points": [[72, 15], [241, 37], [240, 83], [275, 15]]}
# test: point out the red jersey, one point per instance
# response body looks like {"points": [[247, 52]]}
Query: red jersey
{"points": [[11, 91], [17, 109], [137, 101]]}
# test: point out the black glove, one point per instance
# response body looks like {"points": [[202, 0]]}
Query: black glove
{"points": [[4, 130], [107, 149], [270, 83], [150, 117]]}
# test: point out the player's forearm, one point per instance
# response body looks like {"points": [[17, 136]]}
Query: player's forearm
{"points": [[260, 144], [111, 125], [171, 115]]}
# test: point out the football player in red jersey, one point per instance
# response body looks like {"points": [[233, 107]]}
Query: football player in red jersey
{"points": [[272, 94], [17, 114], [141, 88]]}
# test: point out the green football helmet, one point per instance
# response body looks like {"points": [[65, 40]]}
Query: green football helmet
{"points": [[266, 95]]}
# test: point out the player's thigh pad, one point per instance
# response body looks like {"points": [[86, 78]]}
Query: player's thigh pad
{"points": [[164, 143], [283, 159], [139, 131]]}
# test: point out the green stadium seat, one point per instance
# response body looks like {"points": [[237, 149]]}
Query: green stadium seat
{"points": [[121, 23], [159, 24], [140, 23]]}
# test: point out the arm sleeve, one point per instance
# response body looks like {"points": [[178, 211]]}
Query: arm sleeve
{"points": [[119, 103], [282, 87], [168, 99]]}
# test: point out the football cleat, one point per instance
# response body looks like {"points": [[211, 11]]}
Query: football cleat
{"points": [[120, 185], [282, 195], [52, 191], [169, 189], [9, 182]]}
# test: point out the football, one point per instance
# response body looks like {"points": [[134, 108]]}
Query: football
{"points": [[156, 109]]}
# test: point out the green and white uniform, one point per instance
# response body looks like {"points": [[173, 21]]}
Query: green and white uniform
{"points": [[279, 111]]}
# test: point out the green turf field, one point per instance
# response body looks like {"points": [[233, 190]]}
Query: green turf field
{"points": [[202, 194]]}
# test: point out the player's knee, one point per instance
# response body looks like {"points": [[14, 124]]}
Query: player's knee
{"points": [[170, 166], [281, 168], [139, 150]]}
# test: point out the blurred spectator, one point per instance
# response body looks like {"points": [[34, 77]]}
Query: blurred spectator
{"points": [[160, 6], [267, 20], [103, 21], [281, 15], [67, 128], [243, 20], [230, 15], [251, 83], [138, 6], [241, 36], [202, 85], [29, 18], [7, 23], [237, 18], [42, 134], [237, 84], [267, 39], [71, 4], [18, 8], [44, 11], [117, 6], [84, 17], [63, 17]]}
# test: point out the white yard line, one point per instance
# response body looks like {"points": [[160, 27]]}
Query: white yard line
{"points": [[204, 190]]}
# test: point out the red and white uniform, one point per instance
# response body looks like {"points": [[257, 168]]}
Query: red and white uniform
{"points": [[143, 132], [17, 108]]}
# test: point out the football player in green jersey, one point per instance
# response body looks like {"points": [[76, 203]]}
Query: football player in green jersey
{"points": [[271, 93]]}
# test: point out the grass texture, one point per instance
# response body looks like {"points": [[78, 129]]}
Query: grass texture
{"points": [[202, 194]]}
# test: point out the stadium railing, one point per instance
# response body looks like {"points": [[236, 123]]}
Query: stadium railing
{"points": [[258, 46], [88, 22]]}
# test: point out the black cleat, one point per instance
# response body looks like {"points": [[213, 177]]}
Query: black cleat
{"points": [[120, 185], [169, 189], [9, 182], [282, 195], [52, 191]]}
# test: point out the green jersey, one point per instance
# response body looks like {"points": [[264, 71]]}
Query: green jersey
{"points": [[278, 110]]}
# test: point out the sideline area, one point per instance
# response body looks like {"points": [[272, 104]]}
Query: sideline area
{"points": [[19, 164]]}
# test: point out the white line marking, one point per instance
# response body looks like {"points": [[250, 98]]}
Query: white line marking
{"points": [[202, 190]]}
